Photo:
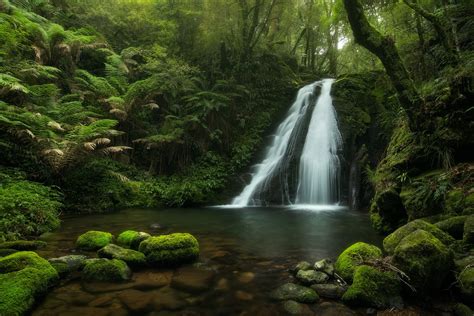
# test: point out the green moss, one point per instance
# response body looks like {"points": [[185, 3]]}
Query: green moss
{"points": [[131, 257], [453, 226], [391, 241], [7, 252], [23, 244], [466, 283], [93, 240], [454, 201], [425, 259], [295, 292], [170, 249], [468, 235], [24, 276], [106, 270], [386, 210], [131, 239], [353, 256], [373, 288]]}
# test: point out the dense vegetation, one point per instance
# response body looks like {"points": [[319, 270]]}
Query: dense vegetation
{"points": [[109, 104]]}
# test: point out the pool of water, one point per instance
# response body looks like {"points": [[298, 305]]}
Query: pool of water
{"points": [[246, 252]]}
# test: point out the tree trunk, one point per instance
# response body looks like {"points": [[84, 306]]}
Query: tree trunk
{"points": [[384, 48]]}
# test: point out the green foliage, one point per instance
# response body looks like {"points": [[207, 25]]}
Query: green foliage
{"points": [[27, 208]]}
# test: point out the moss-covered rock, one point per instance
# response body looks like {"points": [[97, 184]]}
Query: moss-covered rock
{"points": [[131, 239], [309, 277], [106, 270], [453, 226], [23, 277], [93, 240], [391, 241], [468, 235], [373, 288], [170, 250], [466, 283], [23, 244], [131, 257], [295, 292], [353, 256], [387, 211], [458, 201], [425, 259]]}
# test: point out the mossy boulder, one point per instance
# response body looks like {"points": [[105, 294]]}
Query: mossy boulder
{"points": [[350, 258], [453, 226], [94, 240], [23, 245], [309, 277], [373, 288], [459, 202], [295, 292], [391, 241], [170, 250], [132, 257], [131, 239], [468, 235], [106, 270], [425, 259], [23, 277], [466, 283]]}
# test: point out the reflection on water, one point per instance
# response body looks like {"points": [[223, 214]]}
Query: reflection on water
{"points": [[262, 241]]}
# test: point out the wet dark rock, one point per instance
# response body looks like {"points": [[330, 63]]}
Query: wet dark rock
{"points": [[295, 308], [295, 292], [152, 279], [246, 277], [309, 277], [325, 265], [102, 301], [68, 264], [302, 265], [243, 296], [192, 279], [333, 291], [169, 298], [104, 287]]}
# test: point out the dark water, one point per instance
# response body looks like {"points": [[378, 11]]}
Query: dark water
{"points": [[248, 250]]}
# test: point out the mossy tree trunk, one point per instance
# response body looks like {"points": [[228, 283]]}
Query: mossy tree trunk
{"points": [[384, 48]]}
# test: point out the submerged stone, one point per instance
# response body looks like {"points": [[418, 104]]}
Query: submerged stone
{"points": [[295, 308], [374, 288], [24, 276], [391, 241], [350, 258], [106, 270], [193, 280], [131, 239], [94, 240], [23, 244], [425, 259], [131, 257], [170, 250], [333, 291], [309, 277], [295, 292]]}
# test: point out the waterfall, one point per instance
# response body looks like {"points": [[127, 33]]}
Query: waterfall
{"points": [[319, 170], [319, 167]]}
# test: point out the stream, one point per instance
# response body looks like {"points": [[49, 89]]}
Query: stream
{"points": [[245, 253]]}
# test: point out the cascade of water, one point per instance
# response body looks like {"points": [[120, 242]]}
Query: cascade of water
{"points": [[275, 154], [319, 170], [319, 166]]}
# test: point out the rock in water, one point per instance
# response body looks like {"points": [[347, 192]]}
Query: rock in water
{"points": [[295, 308], [191, 279], [374, 288], [106, 270], [93, 240], [309, 277], [170, 250], [23, 277], [295, 292], [425, 259], [131, 257], [333, 291], [68, 264], [302, 265], [350, 258], [132, 239], [325, 266]]}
